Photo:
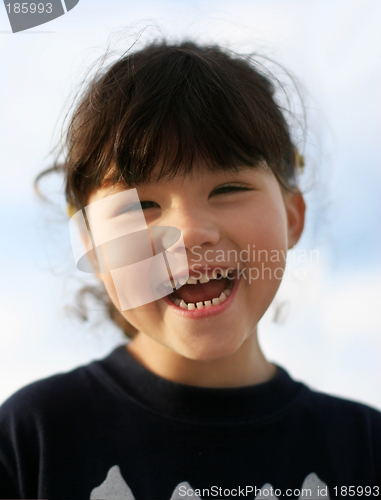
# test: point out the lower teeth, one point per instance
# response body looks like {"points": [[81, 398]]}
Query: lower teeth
{"points": [[200, 305]]}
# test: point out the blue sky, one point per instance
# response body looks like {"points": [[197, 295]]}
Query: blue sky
{"points": [[330, 336]]}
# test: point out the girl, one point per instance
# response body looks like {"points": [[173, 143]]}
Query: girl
{"points": [[178, 161]]}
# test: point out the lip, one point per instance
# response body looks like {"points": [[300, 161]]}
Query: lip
{"points": [[205, 312]]}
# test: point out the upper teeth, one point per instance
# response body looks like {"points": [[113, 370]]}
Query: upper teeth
{"points": [[205, 277]]}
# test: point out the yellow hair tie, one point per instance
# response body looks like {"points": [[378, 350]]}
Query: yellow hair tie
{"points": [[71, 210], [299, 161]]}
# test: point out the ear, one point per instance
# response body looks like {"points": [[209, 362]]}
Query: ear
{"points": [[295, 209]]}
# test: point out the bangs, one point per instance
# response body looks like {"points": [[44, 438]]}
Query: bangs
{"points": [[183, 117], [178, 109]]}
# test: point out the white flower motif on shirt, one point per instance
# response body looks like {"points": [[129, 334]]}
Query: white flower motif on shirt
{"points": [[114, 487]]}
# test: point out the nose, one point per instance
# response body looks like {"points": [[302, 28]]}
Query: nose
{"points": [[199, 228]]}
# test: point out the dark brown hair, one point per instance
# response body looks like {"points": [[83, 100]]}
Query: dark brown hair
{"points": [[178, 106]]}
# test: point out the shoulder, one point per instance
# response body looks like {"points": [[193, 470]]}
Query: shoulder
{"points": [[45, 416], [340, 416], [54, 394], [336, 405]]}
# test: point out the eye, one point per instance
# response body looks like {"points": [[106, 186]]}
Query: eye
{"points": [[134, 207], [147, 204], [231, 189]]}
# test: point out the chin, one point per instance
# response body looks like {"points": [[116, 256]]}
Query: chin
{"points": [[208, 352]]}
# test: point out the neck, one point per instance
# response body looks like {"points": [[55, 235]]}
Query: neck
{"points": [[247, 366]]}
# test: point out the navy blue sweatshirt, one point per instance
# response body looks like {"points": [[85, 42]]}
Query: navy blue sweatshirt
{"points": [[114, 430]]}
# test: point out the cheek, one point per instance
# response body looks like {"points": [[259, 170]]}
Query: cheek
{"points": [[110, 288], [266, 228], [133, 316], [265, 235]]}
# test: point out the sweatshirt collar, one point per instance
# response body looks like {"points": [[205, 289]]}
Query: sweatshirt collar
{"points": [[217, 405]]}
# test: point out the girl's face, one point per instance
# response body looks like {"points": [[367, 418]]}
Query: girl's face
{"points": [[242, 221]]}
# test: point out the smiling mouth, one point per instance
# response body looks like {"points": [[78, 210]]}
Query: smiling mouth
{"points": [[200, 295]]}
